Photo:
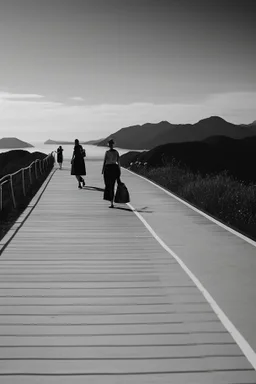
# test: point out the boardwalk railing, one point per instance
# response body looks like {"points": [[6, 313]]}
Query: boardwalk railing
{"points": [[16, 188]]}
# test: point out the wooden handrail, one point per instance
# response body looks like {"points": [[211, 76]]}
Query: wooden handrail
{"points": [[19, 170], [9, 178]]}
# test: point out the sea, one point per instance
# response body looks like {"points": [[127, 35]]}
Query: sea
{"points": [[92, 151]]}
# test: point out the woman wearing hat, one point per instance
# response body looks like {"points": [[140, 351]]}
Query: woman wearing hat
{"points": [[111, 171]]}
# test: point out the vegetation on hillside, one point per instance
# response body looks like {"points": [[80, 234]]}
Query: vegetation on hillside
{"points": [[220, 195], [214, 155], [14, 160]]}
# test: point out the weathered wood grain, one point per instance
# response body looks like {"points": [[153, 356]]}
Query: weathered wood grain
{"points": [[88, 295]]}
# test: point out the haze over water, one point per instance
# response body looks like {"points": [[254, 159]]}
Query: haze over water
{"points": [[92, 151]]}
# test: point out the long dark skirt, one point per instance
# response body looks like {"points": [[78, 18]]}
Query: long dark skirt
{"points": [[59, 156], [111, 175], [78, 167]]}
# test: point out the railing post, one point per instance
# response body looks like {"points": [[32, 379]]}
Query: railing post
{"points": [[35, 170], [23, 182], [12, 192], [40, 166], [30, 174], [1, 197]]}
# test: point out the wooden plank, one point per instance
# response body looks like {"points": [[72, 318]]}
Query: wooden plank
{"points": [[135, 366], [157, 318], [122, 329], [103, 309], [132, 352], [98, 301], [234, 377], [95, 285], [117, 340], [85, 292]]}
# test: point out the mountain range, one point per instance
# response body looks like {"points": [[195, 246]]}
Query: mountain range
{"points": [[148, 136]]}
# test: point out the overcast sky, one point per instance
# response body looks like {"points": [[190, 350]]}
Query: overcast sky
{"points": [[86, 68]]}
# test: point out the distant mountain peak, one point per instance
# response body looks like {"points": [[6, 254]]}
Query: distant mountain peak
{"points": [[9, 138], [164, 122], [212, 119], [13, 142]]}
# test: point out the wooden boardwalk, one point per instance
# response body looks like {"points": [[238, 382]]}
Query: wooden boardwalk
{"points": [[87, 295]]}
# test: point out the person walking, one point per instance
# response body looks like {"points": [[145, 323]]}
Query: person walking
{"points": [[60, 156], [78, 165], [111, 171]]}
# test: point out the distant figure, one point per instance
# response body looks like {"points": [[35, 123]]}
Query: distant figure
{"points": [[78, 164], [111, 171], [60, 156]]}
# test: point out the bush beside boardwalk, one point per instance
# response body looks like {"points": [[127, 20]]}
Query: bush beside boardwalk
{"points": [[210, 156], [11, 162], [220, 195]]}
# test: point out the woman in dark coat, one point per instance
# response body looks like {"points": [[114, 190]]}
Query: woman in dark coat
{"points": [[111, 171], [60, 156], [78, 164]]}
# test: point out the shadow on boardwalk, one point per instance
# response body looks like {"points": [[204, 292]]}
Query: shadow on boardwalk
{"points": [[91, 188], [97, 189], [143, 210]]}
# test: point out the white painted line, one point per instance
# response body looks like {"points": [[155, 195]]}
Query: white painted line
{"points": [[236, 233], [239, 339]]}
